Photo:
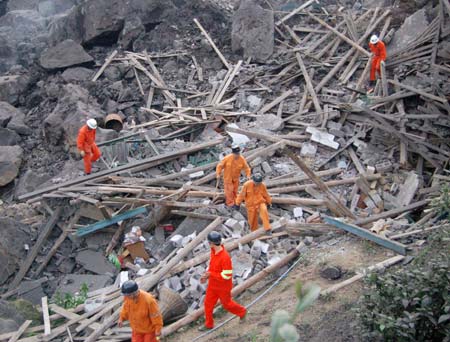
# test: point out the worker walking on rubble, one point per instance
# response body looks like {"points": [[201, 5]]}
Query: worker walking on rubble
{"points": [[86, 144], [378, 55], [220, 282], [141, 309], [254, 194], [232, 166]]}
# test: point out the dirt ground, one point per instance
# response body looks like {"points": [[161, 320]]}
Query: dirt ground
{"points": [[329, 319]]}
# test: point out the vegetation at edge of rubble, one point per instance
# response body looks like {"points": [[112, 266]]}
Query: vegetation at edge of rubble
{"points": [[69, 301], [411, 303], [282, 328], [442, 203]]}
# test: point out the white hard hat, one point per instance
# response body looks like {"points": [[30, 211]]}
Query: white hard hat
{"points": [[92, 123], [374, 39]]}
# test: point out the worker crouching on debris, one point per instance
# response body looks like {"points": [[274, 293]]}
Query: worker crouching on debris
{"points": [[232, 166], [254, 194], [141, 309], [86, 144], [220, 282], [379, 55]]}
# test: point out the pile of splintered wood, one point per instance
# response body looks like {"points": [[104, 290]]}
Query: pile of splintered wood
{"points": [[316, 90]]}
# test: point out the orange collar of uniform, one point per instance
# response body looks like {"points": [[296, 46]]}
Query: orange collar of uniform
{"points": [[221, 250]]}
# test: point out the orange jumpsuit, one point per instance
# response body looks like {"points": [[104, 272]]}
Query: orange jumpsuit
{"points": [[379, 54], [86, 143], [256, 197], [232, 168], [220, 282], [144, 316]]}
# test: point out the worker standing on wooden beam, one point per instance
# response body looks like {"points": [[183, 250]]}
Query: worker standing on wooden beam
{"points": [[254, 194], [220, 282], [142, 310], [232, 166], [379, 54], [86, 145]]}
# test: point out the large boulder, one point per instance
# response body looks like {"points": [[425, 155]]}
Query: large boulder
{"points": [[132, 29], [253, 31], [12, 87], [14, 5], [23, 35], [17, 121], [71, 112], [13, 236], [66, 26], [49, 8], [77, 74], [8, 137], [412, 27], [29, 182], [66, 54], [10, 160]]}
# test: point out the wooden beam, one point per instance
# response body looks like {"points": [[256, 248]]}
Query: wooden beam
{"points": [[272, 104], [334, 204], [366, 234], [19, 332], [420, 92], [106, 223], [46, 316], [44, 234], [267, 137], [296, 11], [104, 66], [147, 163], [309, 84], [208, 38]]}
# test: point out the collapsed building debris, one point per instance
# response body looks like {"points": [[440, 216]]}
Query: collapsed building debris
{"points": [[369, 159]]}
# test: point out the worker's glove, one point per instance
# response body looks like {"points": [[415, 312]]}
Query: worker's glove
{"points": [[236, 207], [82, 153]]}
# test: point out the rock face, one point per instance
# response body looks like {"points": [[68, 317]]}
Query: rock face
{"points": [[253, 31], [66, 54], [71, 112], [77, 74], [13, 236], [131, 31], [29, 182], [8, 137], [10, 160], [11, 87], [17, 119], [413, 26]]}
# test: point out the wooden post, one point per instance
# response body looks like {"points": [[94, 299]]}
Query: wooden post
{"points": [[36, 248], [384, 84], [102, 69], [335, 206], [294, 12], [208, 38], [19, 332], [309, 84], [46, 316]]}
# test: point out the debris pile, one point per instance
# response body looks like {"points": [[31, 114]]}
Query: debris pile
{"points": [[334, 157]]}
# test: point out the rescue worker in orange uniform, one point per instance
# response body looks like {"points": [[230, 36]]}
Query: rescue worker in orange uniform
{"points": [[86, 145], [142, 310], [379, 54], [254, 194], [232, 166], [220, 282]]}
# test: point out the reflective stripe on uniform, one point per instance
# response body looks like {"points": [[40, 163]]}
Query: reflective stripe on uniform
{"points": [[226, 274]]}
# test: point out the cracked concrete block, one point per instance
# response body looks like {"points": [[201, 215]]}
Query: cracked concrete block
{"points": [[308, 150], [298, 212], [92, 304], [262, 245], [242, 264], [322, 137], [176, 240], [266, 168], [255, 251], [175, 283], [308, 240]]}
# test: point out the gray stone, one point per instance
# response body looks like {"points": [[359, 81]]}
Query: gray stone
{"points": [[11, 87], [10, 160], [77, 74], [254, 102], [270, 122], [8, 325], [242, 264], [8, 137], [412, 27], [31, 291], [113, 73], [48, 8], [16, 123], [131, 30], [29, 182], [266, 168], [71, 283], [66, 54], [13, 236], [253, 31], [94, 262], [331, 273], [444, 50], [15, 5]]}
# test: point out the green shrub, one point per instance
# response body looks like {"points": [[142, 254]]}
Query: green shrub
{"points": [[413, 302], [282, 328], [69, 301]]}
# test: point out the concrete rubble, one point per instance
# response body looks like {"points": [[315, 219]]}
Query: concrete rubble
{"points": [[179, 93]]}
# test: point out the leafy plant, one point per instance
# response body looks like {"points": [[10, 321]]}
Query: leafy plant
{"points": [[442, 203], [282, 328], [412, 303], [69, 301]]}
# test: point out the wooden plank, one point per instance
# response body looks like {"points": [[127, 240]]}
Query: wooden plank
{"points": [[106, 223], [46, 316], [267, 137], [418, 91], [149, 162], [294, 12], [208, 38], [19, 332], [384, 84], [309, 84], [104, 66], [340, 35], [58, 242], [63, 312], [44, 234], [220, 95], [272, 104], [391, 213], [366, 234], [335, 205]]}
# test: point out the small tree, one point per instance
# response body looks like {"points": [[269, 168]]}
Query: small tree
{"points": [[282, 328]]}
